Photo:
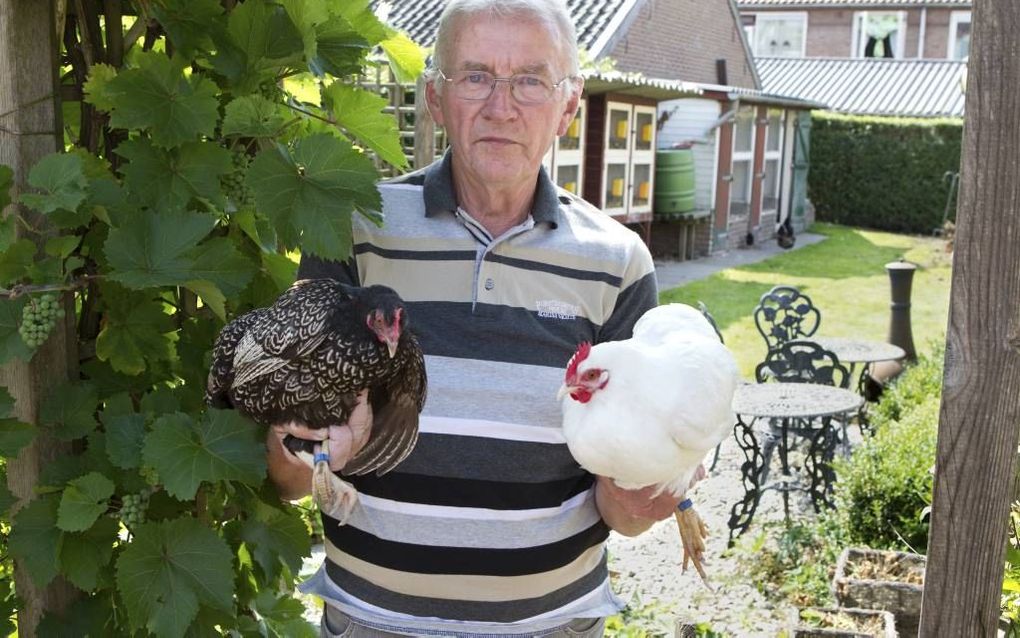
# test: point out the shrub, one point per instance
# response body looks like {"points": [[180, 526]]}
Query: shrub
{"points": [[886, 484], [884, 173]]}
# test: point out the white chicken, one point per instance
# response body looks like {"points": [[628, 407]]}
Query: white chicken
{"points": [[646, 411]]}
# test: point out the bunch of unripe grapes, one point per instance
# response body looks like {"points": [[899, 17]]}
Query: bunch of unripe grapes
{"points": [[39, 318], [233, 182], [133, 506]]}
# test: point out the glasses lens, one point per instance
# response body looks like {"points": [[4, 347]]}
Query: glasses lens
{"points": [[531, 88], [472, 85]]}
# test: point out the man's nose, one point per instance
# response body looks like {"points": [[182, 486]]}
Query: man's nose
{"points": [[500, 101]]}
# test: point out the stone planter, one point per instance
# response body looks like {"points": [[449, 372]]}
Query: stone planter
{"points": [[842, 623], [875, 579], [827, 622]]}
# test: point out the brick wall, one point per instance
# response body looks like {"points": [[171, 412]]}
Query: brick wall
{"points": [[681, 39]]}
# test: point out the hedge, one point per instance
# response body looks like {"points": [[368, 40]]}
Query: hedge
{"points": [[883, 173]]}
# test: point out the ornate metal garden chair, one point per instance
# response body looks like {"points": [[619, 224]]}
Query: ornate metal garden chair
{"points": [[784, 314]]}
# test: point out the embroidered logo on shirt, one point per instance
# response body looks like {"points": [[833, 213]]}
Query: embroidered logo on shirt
{"points": [[552, 309]]}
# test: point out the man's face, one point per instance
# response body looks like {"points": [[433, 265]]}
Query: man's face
{"points": [[499, 141]]}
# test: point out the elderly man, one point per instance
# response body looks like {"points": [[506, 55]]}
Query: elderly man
{"points": [[489, 526]]}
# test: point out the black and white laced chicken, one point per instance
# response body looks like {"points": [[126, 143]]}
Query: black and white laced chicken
{"points": [[307, 357]]}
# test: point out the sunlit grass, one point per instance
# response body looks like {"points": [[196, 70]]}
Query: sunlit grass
{"points": [[845, 277]]}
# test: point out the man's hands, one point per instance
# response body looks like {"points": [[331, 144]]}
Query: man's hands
{"points": [[345, 440], [293, 476], [631, 512]]}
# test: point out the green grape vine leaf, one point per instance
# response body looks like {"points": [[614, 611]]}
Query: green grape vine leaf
{"points": [[61, 178], [6, 182], [167, 180], [339, 48], [125, 435], [135, 331], [83, 500], [7, 498], [276, 538], [14, 435], [35, 539], [157, 249], [12, 346], [252, 116], [69, 410], [405, 57], [157, 96], [309, 193], [168, 570], [361, 114], [223, 446], [84, 556], [189, 24]]}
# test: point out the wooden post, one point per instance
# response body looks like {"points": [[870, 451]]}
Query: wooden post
{"points": [[980, 413], [424, 128], [30, 129]]}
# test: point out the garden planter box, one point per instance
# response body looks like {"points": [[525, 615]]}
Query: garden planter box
{"points": [[886, 580], [822, 622]]}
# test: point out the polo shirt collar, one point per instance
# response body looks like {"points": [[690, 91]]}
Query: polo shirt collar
{"points": [[440, 195]]}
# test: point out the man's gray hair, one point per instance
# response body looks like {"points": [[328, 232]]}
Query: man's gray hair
{"points": [[553, 13]]}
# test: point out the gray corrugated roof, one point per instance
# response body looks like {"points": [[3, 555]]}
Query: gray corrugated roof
{"points": [[592, 18], [804, 4], [869, 86]]}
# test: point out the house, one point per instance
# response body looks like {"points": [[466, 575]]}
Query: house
{"points": [[898, 29], [683, 74]]}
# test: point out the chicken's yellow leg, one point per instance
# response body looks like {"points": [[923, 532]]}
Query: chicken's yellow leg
{"points": [[693, 533], [333, 495]]}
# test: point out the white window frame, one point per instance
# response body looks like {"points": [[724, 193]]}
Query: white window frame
{"points": [[858, 43], [744, 156], [956, 18], [776, 155], [766, 16]]}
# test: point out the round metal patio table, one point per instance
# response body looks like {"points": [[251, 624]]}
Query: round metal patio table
{"points": [[768, 415]]}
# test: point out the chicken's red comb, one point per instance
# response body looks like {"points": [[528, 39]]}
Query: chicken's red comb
{"points": [[582, 353]]}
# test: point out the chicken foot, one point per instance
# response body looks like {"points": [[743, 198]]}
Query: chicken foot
{"points": [[693, 533], [331, 494]]}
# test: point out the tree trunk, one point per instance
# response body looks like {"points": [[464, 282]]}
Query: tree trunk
{"points": [[30, 129], [980, 413]]}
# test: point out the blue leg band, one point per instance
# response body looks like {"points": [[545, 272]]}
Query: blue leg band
{"points": [[685, 504]]}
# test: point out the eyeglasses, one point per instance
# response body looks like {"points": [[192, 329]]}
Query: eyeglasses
{"points": [[479, 85]]}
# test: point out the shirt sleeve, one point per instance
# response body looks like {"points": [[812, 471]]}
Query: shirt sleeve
{"points": [[639, 293], [312, 267]]}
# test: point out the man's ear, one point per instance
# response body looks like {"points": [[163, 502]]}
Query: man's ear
{"points": [[432, 101], [570, 106]]}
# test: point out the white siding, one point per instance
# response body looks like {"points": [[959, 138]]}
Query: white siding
{"points": [[693, 119]]}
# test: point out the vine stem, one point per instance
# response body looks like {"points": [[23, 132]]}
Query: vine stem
{"points": [[310, 114], [17, 290]]}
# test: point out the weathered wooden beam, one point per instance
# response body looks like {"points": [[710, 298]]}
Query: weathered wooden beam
{"points": [[29, 129], [980, 414], [424, 129]]}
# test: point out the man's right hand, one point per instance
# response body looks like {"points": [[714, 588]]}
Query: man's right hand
{"points": [[291, 474]]}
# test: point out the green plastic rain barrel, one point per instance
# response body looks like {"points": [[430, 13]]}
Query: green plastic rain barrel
{"points": [[674, 181]]}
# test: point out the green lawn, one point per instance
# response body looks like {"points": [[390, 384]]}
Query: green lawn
{"points": [[846, 279]]}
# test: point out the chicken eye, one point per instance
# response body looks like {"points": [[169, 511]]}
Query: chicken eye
{"points": [[591, 375]]}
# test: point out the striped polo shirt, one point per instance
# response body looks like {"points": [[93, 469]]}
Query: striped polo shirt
{"points": [[489, 526]]}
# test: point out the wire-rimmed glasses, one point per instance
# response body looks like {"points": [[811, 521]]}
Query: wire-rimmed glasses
{"points": [[527, 88]]}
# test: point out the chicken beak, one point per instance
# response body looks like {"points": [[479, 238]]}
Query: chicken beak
{"points": [[391, 347], [564, 390]]}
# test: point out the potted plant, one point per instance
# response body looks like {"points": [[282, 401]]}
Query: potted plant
{"points": [[879, 579], [824, 622]]}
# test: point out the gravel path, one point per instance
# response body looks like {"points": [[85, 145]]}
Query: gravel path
{"points": [[647, 569]]}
